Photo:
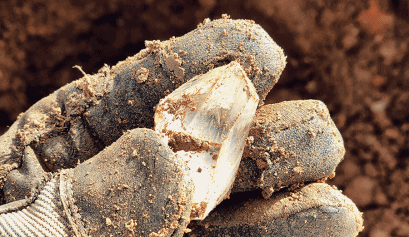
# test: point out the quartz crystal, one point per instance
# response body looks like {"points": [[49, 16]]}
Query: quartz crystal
{"points": [[206, 121]]}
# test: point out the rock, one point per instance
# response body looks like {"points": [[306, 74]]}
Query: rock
{"points": [[206, 122]]}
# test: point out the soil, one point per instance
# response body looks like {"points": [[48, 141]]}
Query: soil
{"points": [[352, 55]]}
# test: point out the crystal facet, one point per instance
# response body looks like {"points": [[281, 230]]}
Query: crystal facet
{"points": [[206, 122]]}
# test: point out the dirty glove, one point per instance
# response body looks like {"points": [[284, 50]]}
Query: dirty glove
{"points": [[127, 178]]}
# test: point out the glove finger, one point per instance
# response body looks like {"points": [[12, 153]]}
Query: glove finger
{"points": [[136, 186], [313, 210], [290, 143]]}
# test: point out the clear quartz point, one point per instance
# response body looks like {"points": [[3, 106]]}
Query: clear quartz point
{"points": [[206, 122]]}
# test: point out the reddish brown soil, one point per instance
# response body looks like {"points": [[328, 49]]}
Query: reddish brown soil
{"points": [[353, 55]]}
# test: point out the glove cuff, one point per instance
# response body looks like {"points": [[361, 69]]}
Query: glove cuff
{"points": [[67, 200], [46, 216]]}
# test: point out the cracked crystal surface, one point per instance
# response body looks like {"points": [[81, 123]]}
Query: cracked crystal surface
{"points": [[206, 122]]}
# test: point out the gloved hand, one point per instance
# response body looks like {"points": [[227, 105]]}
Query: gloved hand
{"points": [[85, 159]]}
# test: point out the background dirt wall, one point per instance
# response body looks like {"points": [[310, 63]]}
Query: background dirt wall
{"points": [[353, 55]]}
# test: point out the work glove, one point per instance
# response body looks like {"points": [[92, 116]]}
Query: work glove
{"points": [[116, 153]]}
